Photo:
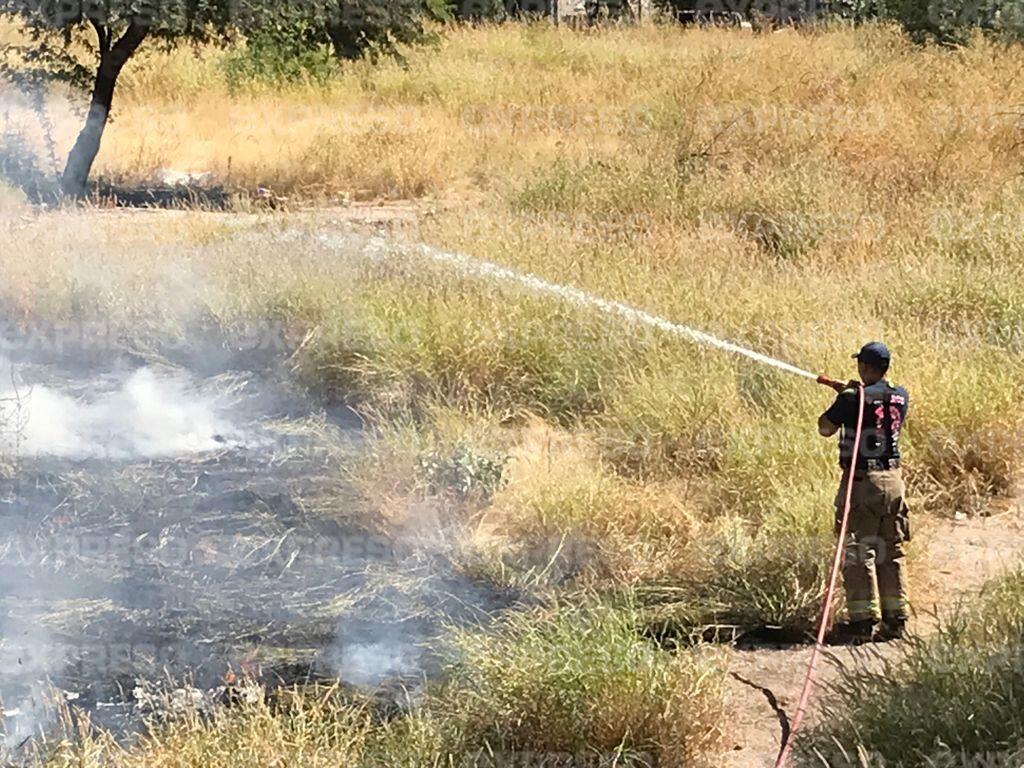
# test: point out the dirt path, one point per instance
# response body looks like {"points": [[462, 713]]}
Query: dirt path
{"points": [[764, 684]]}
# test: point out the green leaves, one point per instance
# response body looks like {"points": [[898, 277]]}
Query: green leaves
{"points": [[462, 472], [288, 37]]}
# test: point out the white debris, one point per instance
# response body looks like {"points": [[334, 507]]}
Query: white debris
{"points": [[174, 178], [152, 700]]}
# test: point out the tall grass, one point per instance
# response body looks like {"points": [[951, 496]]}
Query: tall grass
{"points": [[631, 119], [582, 680]]}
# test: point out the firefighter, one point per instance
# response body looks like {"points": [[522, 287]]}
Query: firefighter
{"points": [[879, 525]]}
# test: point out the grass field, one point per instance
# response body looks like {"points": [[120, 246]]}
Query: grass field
{"points": [[800, 193]]}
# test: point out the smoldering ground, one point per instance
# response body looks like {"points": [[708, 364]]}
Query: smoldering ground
{"points": [[165, 526], [174, 507]]}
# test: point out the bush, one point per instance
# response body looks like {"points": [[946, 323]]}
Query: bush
{"points": [[462, 472], [295, 45], [947, 22], [736, 576], [279, 56], [772, 577]]}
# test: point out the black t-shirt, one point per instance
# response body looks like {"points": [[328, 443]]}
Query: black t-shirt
{"points": [[885, 411]]}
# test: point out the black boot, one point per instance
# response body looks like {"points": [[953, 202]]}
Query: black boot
{"points": [[858, 632], [893, 628]]}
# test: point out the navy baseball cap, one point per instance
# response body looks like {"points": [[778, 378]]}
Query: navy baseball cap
{"points": [[874, 353]]}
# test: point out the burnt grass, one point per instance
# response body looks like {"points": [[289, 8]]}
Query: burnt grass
{"points": [[257, 558]]}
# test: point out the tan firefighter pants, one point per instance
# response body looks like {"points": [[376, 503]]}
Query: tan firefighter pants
{"points": [[879, 528]]}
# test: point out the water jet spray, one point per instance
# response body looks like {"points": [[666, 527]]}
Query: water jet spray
{"points": [[467, 266]]}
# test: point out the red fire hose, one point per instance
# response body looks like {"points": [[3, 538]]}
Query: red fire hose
{"points": [[837, 561]]}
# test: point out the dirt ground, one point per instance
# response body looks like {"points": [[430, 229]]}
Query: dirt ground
{"points": [[764, 684]]}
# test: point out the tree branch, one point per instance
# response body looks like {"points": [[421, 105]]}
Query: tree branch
{"points": [[102, 37], [127, 44]]}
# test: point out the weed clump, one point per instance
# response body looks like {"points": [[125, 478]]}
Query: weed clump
{"points": [[462, 472]]}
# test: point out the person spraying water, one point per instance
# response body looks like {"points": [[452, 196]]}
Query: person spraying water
{"points": [[879, 527], [872, 520]]}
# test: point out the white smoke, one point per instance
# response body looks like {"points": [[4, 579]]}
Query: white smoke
{"points": [[27, 148], [148, 416], [27, 654], [371, 663], [141, 415]]}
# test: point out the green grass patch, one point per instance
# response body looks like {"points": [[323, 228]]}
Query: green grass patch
{"points": [[579, 680]]}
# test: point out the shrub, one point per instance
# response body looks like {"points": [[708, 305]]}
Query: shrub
{"points": [[279, 55], [947, 22], [462, 472]]}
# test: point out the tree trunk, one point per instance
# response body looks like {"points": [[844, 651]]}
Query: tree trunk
{"points": [[344, 41], [112, 61]]}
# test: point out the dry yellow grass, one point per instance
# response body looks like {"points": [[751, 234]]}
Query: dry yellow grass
{"points": [[840, 116], [796, 192]]}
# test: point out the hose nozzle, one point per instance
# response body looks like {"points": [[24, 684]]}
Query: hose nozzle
{"points": [[838, 386]]}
